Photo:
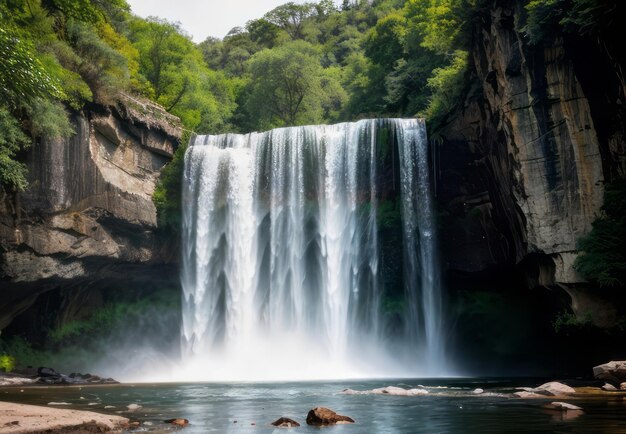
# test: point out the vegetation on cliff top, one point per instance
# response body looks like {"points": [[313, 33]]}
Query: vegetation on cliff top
{"points": [[298, 64]]}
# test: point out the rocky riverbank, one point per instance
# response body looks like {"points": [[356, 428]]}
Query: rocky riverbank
{"points": [[49, 376]]}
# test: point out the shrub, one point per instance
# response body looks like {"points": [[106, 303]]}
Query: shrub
{"points": [[7, 363], [603, 257]]}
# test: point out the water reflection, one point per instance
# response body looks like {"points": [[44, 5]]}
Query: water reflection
{"points": [[450, 407]]}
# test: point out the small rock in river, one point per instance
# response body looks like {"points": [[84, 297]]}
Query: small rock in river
{"points": [[285, 422], [133, 407], [609, 387], [177, 422], [478, 391], [622, 386], [525, 394], [563, 406], [324, 416]]}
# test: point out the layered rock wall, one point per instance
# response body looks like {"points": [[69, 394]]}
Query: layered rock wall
{"points": [[87, 214], [522, 164]]}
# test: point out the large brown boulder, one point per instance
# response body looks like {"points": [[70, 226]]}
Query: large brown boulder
{"points": [[613, 372], [323, 416]]}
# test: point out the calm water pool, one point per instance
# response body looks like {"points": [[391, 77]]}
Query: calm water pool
{"points": [[234, 407]]}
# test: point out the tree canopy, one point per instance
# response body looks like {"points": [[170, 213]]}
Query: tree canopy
{"points": [[288, 86]]}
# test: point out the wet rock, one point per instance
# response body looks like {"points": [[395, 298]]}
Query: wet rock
{"points": [[478, 391], [320, 416], [622, 386], [563, 406], [51, 376], [47, 372], [389, 390], [553, 388], [524, 394], [351, 392], [133, 407], [609, 387], [613, 372], [398, 391], [177, 422], [285, 422]]}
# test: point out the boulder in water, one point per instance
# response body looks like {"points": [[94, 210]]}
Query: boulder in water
{"points": [[553, 388], [177, 422], [351, 392], [562, 406], [609, 387], [133, 407], [525, 394], [622, 386], [478, 391], [613, 372], [320, 416], [285, 422]]}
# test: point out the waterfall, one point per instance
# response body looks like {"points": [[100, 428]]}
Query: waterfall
{"points": [[283, 267]]}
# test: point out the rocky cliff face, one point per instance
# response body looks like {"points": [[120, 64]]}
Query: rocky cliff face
{"points": [[521, 167], [87, 215], [523, 162]]}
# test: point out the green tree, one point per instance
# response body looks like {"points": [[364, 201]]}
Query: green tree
{"points": [[288, 86], [12, 140], [549, 18], [291, 17], [263, 32], [22, 75], [179, 78]]}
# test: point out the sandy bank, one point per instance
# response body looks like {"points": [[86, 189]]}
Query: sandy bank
{"points": [[35, 419]]}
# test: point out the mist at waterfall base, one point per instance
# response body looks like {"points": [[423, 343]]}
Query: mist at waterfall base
{"points": [[282, 264]]}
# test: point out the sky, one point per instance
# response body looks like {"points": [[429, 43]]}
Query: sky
{"points": [[202, 18]]}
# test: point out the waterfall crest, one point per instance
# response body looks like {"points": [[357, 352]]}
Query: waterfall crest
{"points": [[283, 267]]}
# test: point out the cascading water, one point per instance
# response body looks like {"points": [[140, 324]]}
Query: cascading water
{"points": [[283, 254]]}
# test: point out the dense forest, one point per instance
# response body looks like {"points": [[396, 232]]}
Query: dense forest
{"points": [[299, 64]]}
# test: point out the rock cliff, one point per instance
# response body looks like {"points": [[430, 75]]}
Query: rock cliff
{"points": [[521, 167], [87, 215], [522, 163]]}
